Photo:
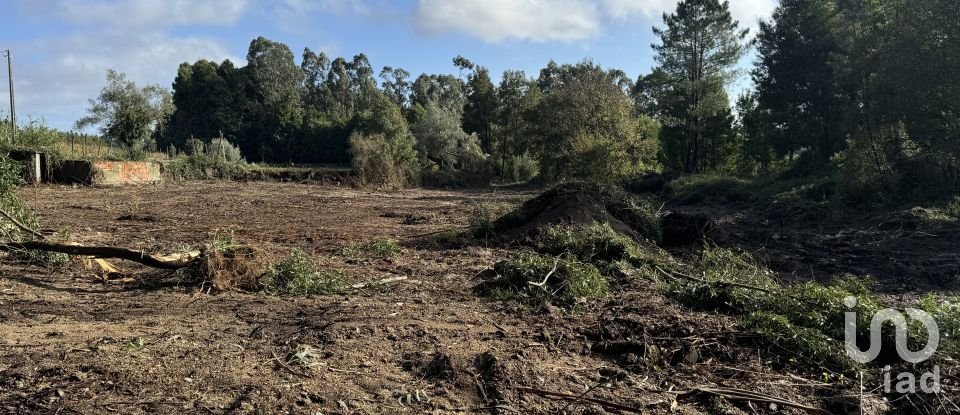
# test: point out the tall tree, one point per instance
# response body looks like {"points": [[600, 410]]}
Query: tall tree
{"points": [[480, 111], [441, 139], [274, 76], [444, 90], [273, 87], [799, 78], [518, 97], [127, 114], [315, 68], [396, 85], [699, 48], [337, 85], [363, 86]]}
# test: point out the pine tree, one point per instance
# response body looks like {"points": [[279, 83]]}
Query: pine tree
{"points": [[699, 49]]}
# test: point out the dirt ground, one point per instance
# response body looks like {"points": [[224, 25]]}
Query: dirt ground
{"points": [[74, 344]]}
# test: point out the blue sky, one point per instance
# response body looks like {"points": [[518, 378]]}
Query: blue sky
{"points": [[62, 48]]}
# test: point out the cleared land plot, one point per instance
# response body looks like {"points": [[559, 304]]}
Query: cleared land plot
{"points": [[74, 344]]}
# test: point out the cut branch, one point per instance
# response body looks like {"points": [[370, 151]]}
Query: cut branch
{"points": [[745, 395], [174, 261], [20, 225], [541, 284]]}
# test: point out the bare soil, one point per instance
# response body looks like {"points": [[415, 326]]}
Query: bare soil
{"points": [[73, 343]]}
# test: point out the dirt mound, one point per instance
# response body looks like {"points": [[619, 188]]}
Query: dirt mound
{"points": [[582, 204]]}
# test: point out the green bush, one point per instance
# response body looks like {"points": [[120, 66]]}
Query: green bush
{"points": [[200, 166], [298, 275], [220, 149], [889, 166], [377, 248], [570, 281], [10, 203], [376, 162], [520, 168], [483, 217]]}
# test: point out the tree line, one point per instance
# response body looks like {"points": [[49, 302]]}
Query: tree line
{"points": [[859, 89]]}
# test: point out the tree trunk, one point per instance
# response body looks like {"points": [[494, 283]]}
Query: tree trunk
{"points": [[175, 261]]}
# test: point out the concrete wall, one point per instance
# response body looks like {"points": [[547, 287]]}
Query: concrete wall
{"points": [[33, 165], [108, 173]]}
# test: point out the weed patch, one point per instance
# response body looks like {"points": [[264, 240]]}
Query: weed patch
{"points": [[298, 275], [375, 249]]}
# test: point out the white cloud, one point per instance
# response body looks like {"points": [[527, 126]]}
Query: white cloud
{"points": [[142, 14], [748, 12], [498, 20], [622, 9], [555, 20], [57, 82]]}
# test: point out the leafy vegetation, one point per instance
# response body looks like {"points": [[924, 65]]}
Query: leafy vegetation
{"points": [[375, 249], [596, 243], [538, 281], [802, 324], [298, 275], [11, 204]]}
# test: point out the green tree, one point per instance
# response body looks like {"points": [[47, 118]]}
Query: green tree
{"points": [[206, 103], [396, 85], [444, 90], [274, 76], [587, 127], [273, 85], [480, 111], [315, 68], [514, 134], [127, 114], [800, 79], [381, 134], [699, 48], [442, 141]]}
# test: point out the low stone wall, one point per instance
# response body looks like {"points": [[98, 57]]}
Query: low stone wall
{"points": [[107, 173]]}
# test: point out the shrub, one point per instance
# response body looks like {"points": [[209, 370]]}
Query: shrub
{"points": [[377, 163], [298, 275], [11, 204], [521, 168], [566, 281], [220, 149], [217, 160], [483, 217], [887, 165]]}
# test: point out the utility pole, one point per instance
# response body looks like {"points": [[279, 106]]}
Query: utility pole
{"points": [[13, 101]]}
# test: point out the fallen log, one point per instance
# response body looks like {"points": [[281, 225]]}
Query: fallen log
{"points": [[172, 261]]}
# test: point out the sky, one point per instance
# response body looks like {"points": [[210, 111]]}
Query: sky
{"points": [[63, 48]]}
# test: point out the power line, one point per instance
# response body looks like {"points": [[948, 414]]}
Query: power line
{"points": [[13, 101]]}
